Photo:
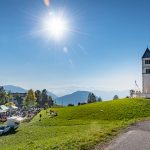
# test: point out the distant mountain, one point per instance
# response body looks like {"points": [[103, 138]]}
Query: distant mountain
{"points": [[52, 95], [14, 89], [74, 98], [81, 96]]}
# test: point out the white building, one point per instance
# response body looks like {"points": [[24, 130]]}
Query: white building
{"points": [[145, 78], [146, 74]]}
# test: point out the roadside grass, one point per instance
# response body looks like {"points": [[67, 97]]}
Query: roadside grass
{"points": [[77, 128]]}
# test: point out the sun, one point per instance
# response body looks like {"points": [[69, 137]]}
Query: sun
{"points": [[56, 26]]}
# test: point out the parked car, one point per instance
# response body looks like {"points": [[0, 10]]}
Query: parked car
{"points": [[4, 129], [1, 132]]}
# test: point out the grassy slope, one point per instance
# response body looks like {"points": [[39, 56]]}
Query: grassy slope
{"points": [[78, 127]]}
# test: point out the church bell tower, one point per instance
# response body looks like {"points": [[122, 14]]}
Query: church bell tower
{"points": [[146, 73]]}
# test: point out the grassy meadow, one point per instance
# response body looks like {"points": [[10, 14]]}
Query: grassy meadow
{"points": [[77, 128]]}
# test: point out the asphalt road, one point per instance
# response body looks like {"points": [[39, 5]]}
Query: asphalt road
{"points": [[136, 138]]}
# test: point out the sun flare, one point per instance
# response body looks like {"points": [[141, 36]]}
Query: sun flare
{"points": [[56, 26]]}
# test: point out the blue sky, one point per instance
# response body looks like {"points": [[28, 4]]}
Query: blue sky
{"points": [[105, 53]]}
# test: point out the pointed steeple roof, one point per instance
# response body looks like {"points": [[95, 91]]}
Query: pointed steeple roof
{"points": [[147, 53]]}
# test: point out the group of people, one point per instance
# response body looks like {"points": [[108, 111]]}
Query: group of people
{"points": [[27, 113], [3, 116], [52, 113]]}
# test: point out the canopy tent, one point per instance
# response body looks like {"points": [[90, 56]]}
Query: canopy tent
{"points": [[13, 107], [4, 108], [2, 111]]}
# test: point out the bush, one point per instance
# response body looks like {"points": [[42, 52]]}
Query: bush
{"points": [[70, 104]]}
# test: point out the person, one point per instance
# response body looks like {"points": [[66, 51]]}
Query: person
{"points": [[40, 117], [51, 111]]}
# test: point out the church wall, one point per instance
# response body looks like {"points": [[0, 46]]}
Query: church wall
{"points": [[146, 83], [145, 77]]}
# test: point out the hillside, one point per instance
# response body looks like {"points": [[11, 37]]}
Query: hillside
{"points": [[109, 110], [79, 127], [74, 98]]}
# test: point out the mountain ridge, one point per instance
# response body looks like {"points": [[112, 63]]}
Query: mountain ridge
{"points": [[17, 89], [73, 98]]}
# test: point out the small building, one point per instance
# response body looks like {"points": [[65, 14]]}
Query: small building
{"points": [[20, 95]]}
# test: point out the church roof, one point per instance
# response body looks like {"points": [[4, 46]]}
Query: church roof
{"points": [[147, 53]]}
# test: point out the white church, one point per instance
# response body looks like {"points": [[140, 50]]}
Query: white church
{"points": [[145, 77], [146, 74]]}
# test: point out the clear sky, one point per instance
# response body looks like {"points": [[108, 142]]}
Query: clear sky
{"points": [[102, 52]]}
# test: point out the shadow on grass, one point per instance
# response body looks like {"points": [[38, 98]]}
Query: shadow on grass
{"points": [[11, 132]]}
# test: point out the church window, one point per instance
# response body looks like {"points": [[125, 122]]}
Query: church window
{"points": [[147, 71], [147, 61]]}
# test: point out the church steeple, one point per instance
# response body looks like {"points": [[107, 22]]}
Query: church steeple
{"points": [[146, 54]]}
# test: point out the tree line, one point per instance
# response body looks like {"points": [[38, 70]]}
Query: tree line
{"points": [[90, 99], [31, 98]]}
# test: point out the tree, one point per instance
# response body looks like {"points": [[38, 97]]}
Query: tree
{"points": [[3, 95], [50, 102], [19, 100], [44, 97], [99, 99], [46, 100], [81, 103], [91, 98], [38, 95], [115, 97], [70, 104], [9, 96], [30, 99]]}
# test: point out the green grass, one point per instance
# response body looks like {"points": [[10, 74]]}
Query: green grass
{"points": [[75, 128]]}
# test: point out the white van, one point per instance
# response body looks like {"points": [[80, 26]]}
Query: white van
{"points": [[13, 122]]}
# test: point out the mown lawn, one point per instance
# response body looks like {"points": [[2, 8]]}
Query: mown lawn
{"points": [[75, 128]]}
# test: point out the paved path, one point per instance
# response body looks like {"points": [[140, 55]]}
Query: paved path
{"points": [[136, 137]]}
